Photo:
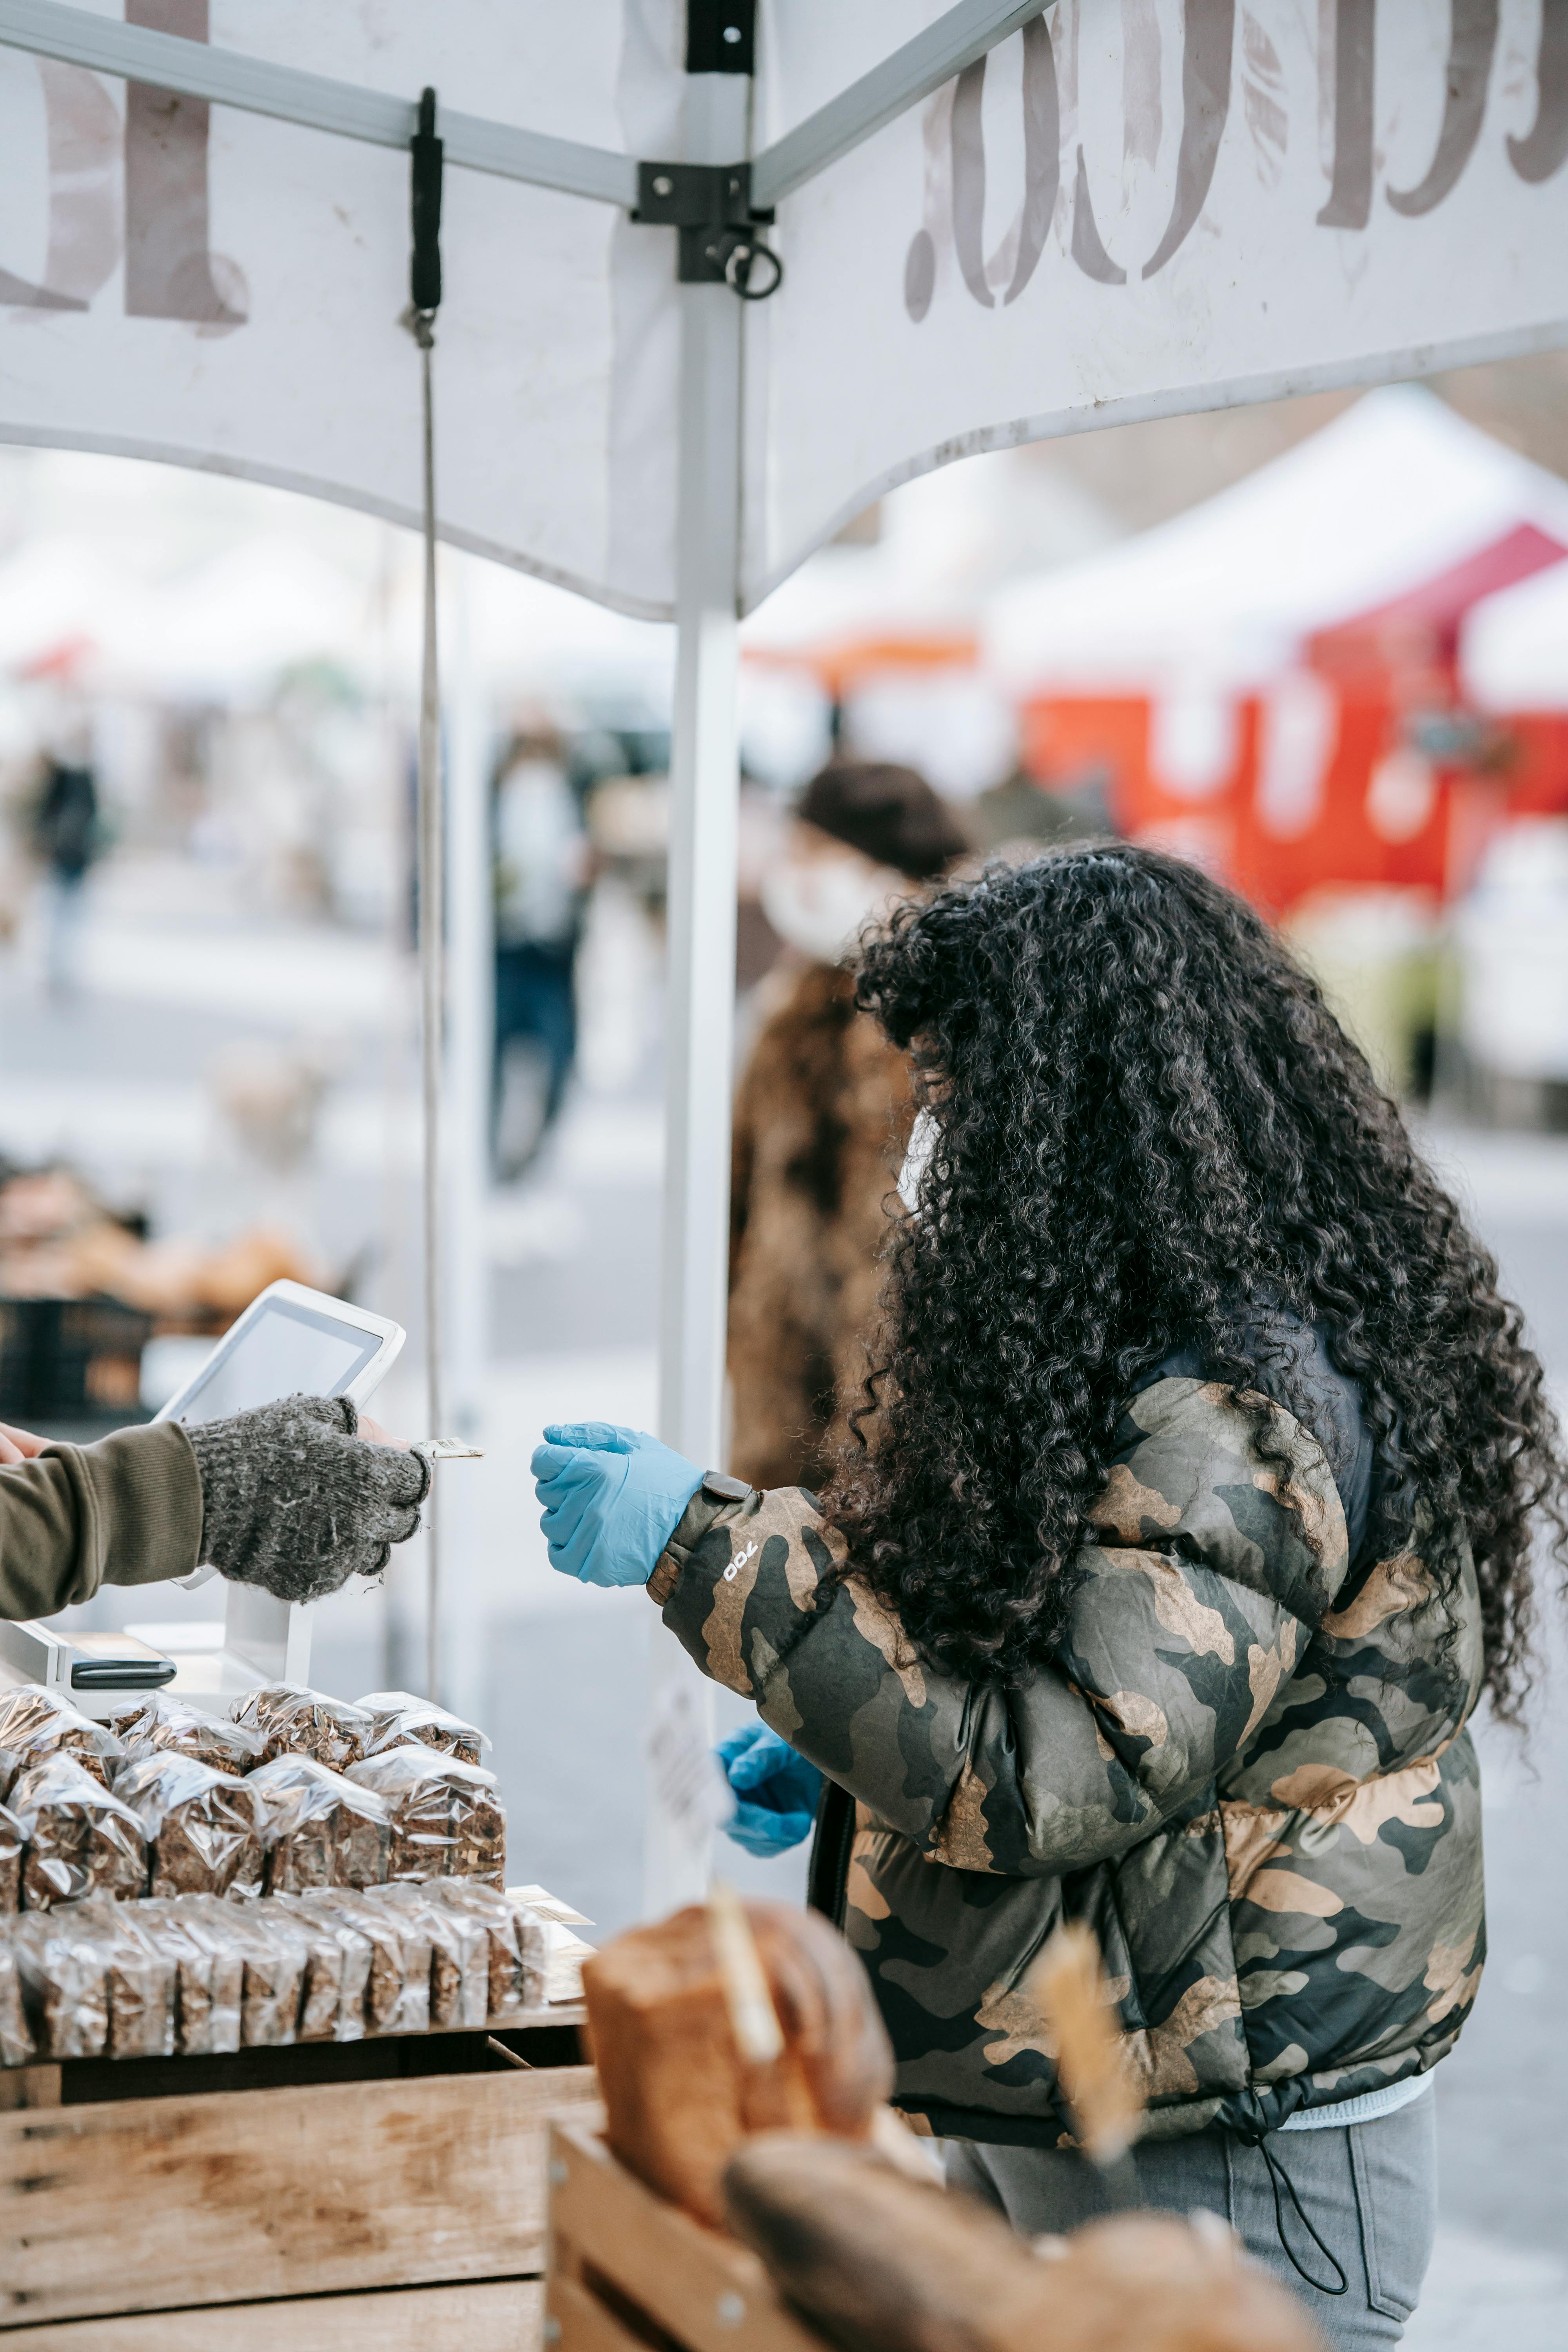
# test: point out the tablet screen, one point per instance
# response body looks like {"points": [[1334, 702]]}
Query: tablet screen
{"points": [[287, 1350]]}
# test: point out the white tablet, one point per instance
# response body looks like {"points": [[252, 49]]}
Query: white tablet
{"points": [[291, 1341]]}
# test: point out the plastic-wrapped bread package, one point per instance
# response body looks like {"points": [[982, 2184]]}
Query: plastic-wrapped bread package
{"points": [[16, 2044], [318, 1827], [274, 1954], [39, 1726], [447, 1818], [515, 1940], [322, 1992], [178, 1729], [13, 1839], [397, 1989], [139, 1982], [209, 1958], [202, 1828], [63, 1958], [397, 1716], [80, 1839], [208, 1974], [321, 1908], [460, 1955], [290, 1720]]}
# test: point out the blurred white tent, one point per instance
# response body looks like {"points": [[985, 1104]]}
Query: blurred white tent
{"points": [[1513, 652], [1396, 491]]}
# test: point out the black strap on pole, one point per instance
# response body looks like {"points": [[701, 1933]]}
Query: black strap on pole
{"points": [[424, 300]]}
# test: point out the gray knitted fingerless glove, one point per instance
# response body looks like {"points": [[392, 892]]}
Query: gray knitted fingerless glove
{"points": [[292, 1501]]}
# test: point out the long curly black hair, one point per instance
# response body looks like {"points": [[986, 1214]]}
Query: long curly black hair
{"points": [[1147, 1122]]}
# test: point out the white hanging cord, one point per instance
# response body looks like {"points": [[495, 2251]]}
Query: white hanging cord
{"points": [[420, 320]]}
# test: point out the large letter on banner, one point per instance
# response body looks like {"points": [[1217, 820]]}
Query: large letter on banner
{"points": [[216, 288], [1245, 199]]}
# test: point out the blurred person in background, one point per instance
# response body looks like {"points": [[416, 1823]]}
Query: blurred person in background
{"points": [[822, 1120], [542, 872], [66, 839]]}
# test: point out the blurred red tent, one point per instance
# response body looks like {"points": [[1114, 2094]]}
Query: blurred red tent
{"points": [[1270, 683]]}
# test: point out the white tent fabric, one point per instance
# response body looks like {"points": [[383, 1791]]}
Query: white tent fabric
{"points": [[1395, 490], [1124, 210], [1513, 646], [225, 291], [1107, 220]]}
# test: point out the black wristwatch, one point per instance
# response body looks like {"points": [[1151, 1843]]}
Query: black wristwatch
{"points": [[723, 1488]]}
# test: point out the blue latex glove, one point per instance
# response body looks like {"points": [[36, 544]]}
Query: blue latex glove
{"points": [[613, 1498], [775, 1791]]}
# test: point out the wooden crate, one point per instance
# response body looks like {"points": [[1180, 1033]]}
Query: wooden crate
{"points": [[387, 2194], [627, 2271]]}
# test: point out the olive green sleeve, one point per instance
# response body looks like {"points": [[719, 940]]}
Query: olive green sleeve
{"points": [[125, 1511]]}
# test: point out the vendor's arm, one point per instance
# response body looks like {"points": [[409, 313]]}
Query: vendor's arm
{"points": [[289, 1497], [125, 1511], [1215, 1558]]}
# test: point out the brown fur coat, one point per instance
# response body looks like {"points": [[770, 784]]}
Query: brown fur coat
{"points": [[822, 1119]]}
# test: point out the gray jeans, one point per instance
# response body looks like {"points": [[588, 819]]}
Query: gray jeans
{"points": [[1369, 2191]]}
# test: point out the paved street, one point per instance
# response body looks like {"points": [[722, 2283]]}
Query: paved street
{"points": [[557, 1675]]}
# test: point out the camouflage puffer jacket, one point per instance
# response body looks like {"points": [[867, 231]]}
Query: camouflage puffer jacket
{"points": [[1247, 1771]]}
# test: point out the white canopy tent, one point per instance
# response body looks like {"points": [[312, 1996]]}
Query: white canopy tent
{"points": [[1396, 491], [1122, 212], [1513, 649]]}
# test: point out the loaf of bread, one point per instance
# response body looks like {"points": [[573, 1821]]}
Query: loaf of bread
{"points": [[290, 1720], [515, 1941], [354, 1962], [447, 1818], [63, 1957], [38, 1725], [201, 1825], [205, 2001], [209, 1990], [679, 2093], [80, 1838], [397, 1716], [397, 1986], [460, 1953], [17, 2047], [321, 1987], [12, 1842], [275, 1956], [881, 2263], [318, 1827], [177, 1728], [139, 1982]]}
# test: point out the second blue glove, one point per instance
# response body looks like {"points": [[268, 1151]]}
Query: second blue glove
{"points": [[775, 1791], [613, 1498]]}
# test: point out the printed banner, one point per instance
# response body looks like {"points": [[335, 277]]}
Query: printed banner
{"points": [[1131, 208], [1135, 207]]}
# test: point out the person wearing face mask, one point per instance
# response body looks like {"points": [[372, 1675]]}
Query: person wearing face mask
{"points": [[1210, 1485], [822, 1118]]}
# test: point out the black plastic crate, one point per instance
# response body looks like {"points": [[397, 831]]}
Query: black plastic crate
{"points": [[80, 1357]]}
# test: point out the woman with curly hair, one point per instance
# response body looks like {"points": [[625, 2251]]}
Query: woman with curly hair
{"points": [[1190, 1518]]}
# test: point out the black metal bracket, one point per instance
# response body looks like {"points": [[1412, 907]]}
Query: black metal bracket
{"points": [[710, 208], [721, 37]]}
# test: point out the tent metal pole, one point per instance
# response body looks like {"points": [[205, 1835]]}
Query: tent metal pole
{"points": [[471, 1003], [255, 85], [899, 81], [228, 78], [700, 957]]}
